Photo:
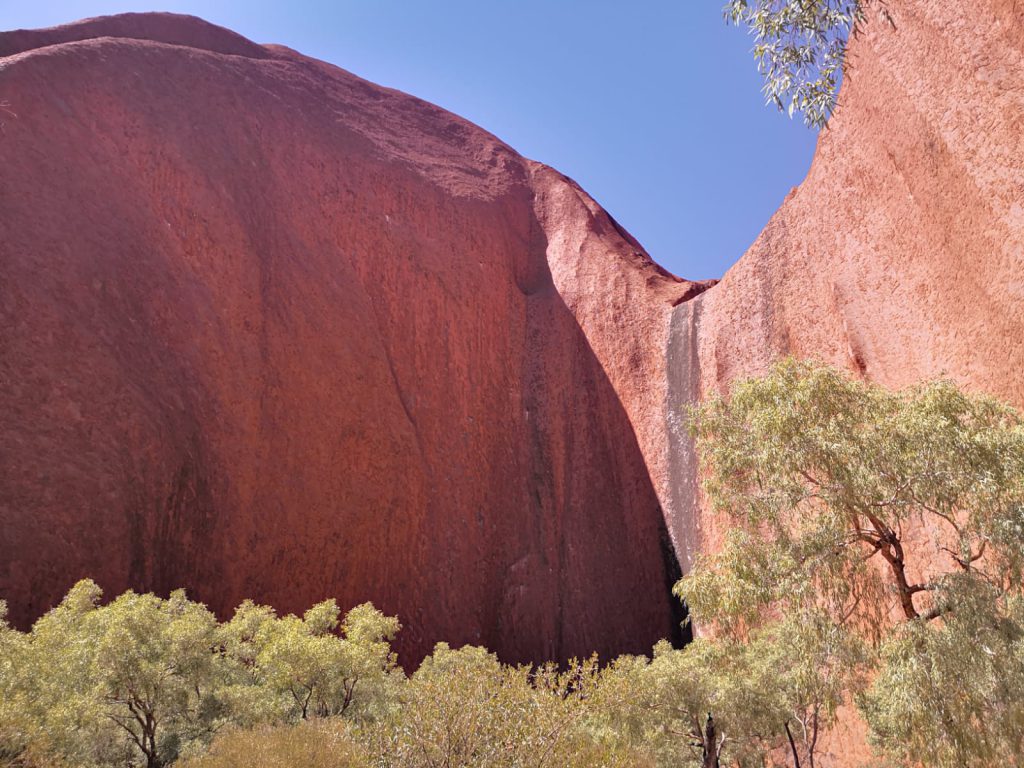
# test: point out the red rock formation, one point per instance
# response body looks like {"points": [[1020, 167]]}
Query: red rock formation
{"points": [[900, 257], [270, 330]]}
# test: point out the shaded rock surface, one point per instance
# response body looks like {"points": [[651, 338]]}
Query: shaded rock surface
{"points": [[271, 331]]}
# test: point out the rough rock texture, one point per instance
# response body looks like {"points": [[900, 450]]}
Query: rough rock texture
{"points": [[268, 330], [901, 256]]}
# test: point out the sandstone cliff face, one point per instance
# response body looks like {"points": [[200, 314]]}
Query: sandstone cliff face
{"points": [[901, 256], [271, 331]]}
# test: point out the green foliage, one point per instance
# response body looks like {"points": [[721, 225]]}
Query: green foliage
{"points": [[303, 669], [458, 710], [708, 703], [733, 701], [16, 726], [144, 681], [464, 708], [950, 694], [800, 47], [312, 744], [815, 664], [854, 508], [154, 672], [824, 477], [148, 681]]}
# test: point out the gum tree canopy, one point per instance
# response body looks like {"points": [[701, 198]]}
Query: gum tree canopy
{"points": [[800, 47], [892, 517]]}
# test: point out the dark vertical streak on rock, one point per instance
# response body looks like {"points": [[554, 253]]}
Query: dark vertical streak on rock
{"points": [[683, 370], [681, 631]]}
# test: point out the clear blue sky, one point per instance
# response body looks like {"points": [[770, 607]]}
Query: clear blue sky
{"points": [[654, 108]]}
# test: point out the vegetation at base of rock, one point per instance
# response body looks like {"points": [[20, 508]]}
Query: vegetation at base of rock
{"points": [[885, 530], [872, 558], [800, 48], [323, 743]]}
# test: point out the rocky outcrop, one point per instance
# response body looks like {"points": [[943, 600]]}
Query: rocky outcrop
{"points": [[901, 256], [272, 331]]}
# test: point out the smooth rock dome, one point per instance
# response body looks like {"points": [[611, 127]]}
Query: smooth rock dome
{"points": [[272, 331]]}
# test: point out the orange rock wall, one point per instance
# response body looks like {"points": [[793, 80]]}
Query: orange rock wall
{"points": [[272, 331], [901, 256]]}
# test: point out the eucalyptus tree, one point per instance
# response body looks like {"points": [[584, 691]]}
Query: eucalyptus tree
{"points": [[896, 515], [800, 48], [713, 703], [463, 708], [132, 682], [317, 665], [144, 681]]}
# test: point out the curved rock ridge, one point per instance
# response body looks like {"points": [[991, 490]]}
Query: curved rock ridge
{"points": [[272, 331], [167, 28]]}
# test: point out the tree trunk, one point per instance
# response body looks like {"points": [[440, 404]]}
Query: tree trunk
{"points": [[792, 746], [149, 739], [710, 740]]}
